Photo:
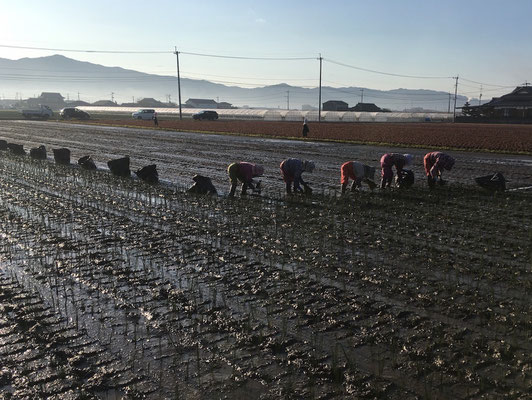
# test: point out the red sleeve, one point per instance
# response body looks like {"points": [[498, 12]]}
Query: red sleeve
{"points": [[345, 172], [428, 162]]}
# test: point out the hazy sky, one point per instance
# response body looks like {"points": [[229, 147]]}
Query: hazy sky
{"points": [[485, 41]]}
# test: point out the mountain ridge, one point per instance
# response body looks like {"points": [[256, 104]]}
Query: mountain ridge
{"points": [[73, 78]]}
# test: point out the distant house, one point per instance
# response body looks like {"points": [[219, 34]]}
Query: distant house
{"points": [[105, 103], [367, 107], [515, 106], [76, 103], [150, 102], [201, 103], [53, 100], [224, 105], [335, 105]]}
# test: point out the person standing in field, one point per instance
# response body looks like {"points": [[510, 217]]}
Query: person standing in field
{"points": [[390, 160], [291, 171], [359, 173], [155, 120], [306, 130], [243, 172], [434, 163]]}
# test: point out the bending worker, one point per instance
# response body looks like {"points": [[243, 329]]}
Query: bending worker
{"points": [[243, 172], [434, 163], [292, 169], [358, 172], [390, 160]]}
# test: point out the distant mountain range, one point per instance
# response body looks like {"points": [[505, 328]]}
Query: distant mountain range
{"points": [[28, 77]]}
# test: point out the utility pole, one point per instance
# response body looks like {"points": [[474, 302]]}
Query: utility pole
{"points": [[449, 106], [455, 93], [288, 99], [362, 95], [113, 97], [480, 97], [78, 96], [319, 99], [178, 83]]}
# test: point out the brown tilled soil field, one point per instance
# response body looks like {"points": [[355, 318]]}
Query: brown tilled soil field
{"points": [[502, 138]]}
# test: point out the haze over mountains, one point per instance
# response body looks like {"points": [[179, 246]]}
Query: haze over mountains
{"points": [[28, 77]]}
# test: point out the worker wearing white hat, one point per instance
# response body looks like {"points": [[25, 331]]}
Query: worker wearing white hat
{"points": [[291, 171]]}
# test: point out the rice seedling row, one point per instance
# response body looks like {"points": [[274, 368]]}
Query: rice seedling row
{"points": [[204, 297]]}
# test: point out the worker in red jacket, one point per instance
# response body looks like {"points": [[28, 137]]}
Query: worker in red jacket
{"points": [[434, 163], [243, 172], [359, 173], [389, 160]]}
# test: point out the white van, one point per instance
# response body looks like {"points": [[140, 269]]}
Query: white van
{"points": [[145, 113]]}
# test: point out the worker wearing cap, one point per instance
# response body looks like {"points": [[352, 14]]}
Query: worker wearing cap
{"points": [[434, 163], [243, 172], [291, 171], [389, 160], [359, 173]]}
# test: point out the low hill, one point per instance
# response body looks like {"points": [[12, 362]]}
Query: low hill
{"points": [[28, 77]]}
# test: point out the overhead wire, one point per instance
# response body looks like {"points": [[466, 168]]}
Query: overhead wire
{"points": [[385, 73], [136, 78], [248, 58], [86, 51], [485, 84], [391, 99]]}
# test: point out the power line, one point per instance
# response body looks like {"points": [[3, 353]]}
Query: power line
{"points": [[249, 58], [385, 73], [485, 84], [158, 52], [388, 93], [253, 77], [137, 75], [86, 51]]}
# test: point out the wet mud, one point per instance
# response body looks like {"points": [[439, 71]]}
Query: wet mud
{"points": [[114, 288]]}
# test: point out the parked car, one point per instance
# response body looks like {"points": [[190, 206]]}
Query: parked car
{"points": [[44, 112], [145, 113], [73, 113], [209, 115]]}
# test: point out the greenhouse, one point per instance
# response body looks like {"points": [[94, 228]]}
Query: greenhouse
{"points": [[290, 115]]}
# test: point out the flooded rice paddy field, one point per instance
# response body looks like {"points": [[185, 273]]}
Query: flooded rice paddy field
{"points": [[112, 288]]}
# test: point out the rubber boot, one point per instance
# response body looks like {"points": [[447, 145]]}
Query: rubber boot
{"points": [[431, 182], [232, 191], [344, 188]]}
